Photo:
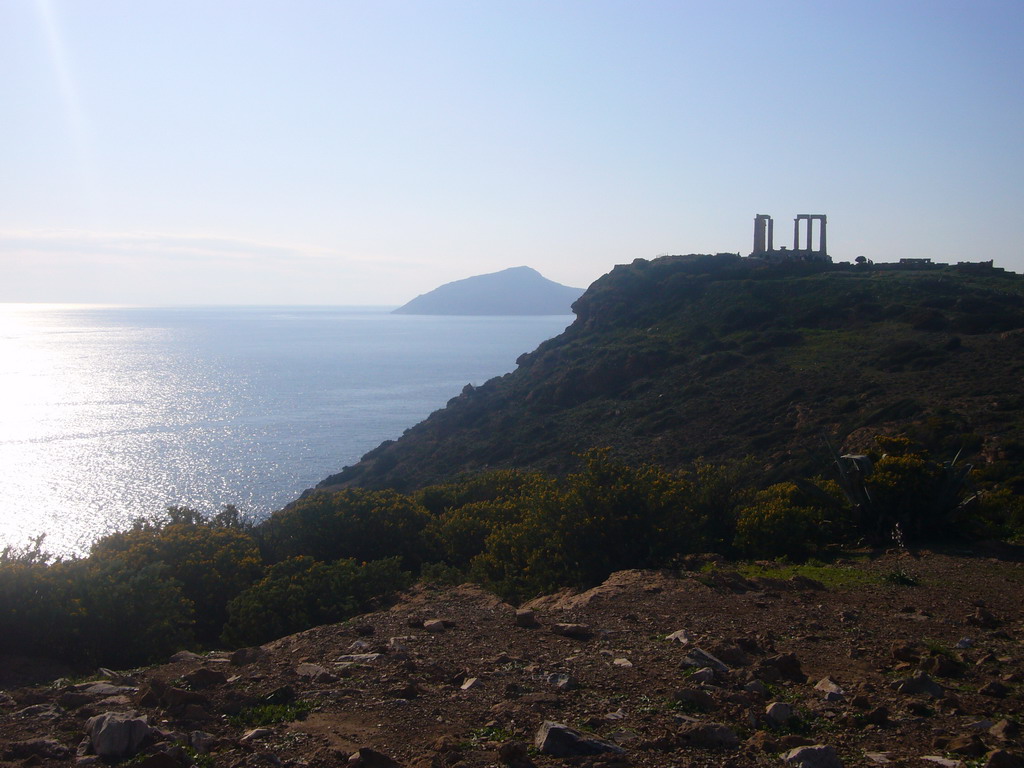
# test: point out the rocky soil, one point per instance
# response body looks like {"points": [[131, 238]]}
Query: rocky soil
{"points": [[701, 668]]}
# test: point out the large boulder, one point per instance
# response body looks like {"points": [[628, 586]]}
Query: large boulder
{"points": [[117, 735]]}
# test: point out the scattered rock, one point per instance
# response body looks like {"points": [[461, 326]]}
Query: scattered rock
{"points": [[205, 678], [526, 618], [970, 746], [560, 740], [370, 758], [816, 756], [256, 734], [515, 754], [1000, 758], [778, 714], [709, 736], [695, 698], [680, 636], [920, 683], [1005, 730], [784, 666], [994, 689], [983, 618], [703, 675], [574, 631], [698, 657]]}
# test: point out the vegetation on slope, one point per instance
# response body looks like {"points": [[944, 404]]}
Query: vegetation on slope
{"points": [[146, 592], [722, 357]]}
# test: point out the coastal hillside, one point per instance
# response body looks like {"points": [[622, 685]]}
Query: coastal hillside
{"points": [[722, 357], [514, 291]]}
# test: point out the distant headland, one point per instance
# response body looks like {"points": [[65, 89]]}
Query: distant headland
{"points": [[514, 291]]}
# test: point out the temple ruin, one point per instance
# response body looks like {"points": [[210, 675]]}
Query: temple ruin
{"points": [[764, 233]]}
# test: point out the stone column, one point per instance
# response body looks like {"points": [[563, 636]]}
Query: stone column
{"points": [[824, 251], [758, 234], [771, 235], [796, 234]]}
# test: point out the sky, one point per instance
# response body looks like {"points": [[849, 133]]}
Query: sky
{"points": [[363, 152]]}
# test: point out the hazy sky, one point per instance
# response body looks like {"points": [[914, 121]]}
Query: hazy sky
{"points": [[365, 151]]}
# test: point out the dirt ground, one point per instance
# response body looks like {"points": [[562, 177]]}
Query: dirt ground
{"points": [[896, 659]]}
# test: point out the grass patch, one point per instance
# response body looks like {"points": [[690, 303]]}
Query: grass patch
{"points": [[832, 576], [479, 737], [271, 714]]}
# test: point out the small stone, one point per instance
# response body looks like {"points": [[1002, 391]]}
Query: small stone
{"points": [[920, 683], [698, 657], [695, 697], [370, 758], [778, 714], [703, 675], [994, 689], [828, 685], [471, 683], [757, 688], [787, 665], [526, 619], [945, 762], [622, 663], [1000, 758], [970, 746], [185, 656], [964, 643], [515, 754], [709, 736], [1005, 730], [205, 678], [560, 740], [434, 625], [256, 733], [816, 756], [574, 631], [680, 636], [983, 618]]}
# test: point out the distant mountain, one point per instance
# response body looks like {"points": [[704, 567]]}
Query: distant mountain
{"points": [[723, 357], [515, 291]]}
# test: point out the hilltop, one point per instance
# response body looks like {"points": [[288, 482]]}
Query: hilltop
{"points": [[722, 357], [514, 291]]}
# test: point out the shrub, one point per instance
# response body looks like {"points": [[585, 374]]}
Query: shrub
{"points": [[300, 592], [781, 521], [211, 561], [365, 525]]}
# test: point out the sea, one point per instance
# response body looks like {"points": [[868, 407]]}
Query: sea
{"points": [[111, 414]]}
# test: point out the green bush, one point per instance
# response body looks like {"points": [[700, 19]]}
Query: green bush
{"points": [[782, 521], [365, 525], [212, 562], [300, 592]]}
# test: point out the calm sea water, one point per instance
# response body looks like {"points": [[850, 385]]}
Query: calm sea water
{"points": [[111, 414]]}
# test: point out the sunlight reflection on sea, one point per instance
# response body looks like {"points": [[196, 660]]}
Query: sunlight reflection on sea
{"points": [[110, 414]]}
